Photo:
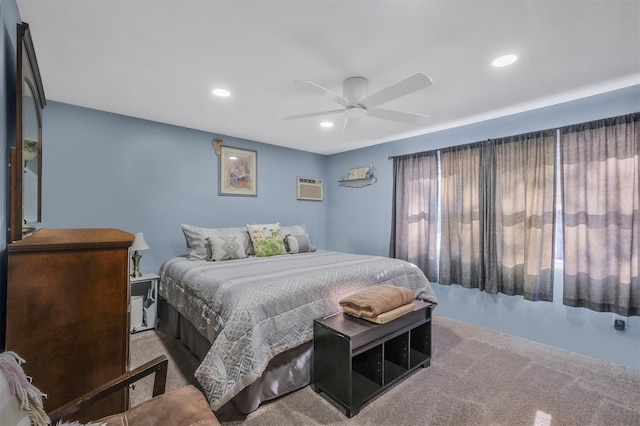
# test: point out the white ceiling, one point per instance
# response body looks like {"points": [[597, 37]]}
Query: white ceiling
{"points": [[159, 60]]}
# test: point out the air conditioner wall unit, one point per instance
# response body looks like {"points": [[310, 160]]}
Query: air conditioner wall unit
{"points": [[309, 189]]}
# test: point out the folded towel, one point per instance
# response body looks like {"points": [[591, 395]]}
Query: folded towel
{"points": [[373, 301], [385, 316]]}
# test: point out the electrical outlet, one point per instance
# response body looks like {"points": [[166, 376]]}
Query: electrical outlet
{"points": [[619, 322]]}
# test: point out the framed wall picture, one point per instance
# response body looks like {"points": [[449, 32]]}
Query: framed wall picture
{"points": [[359, 173], [238, 172], [363, 172]]}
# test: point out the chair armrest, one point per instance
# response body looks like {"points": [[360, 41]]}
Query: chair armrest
{"points": [[157, 366]]}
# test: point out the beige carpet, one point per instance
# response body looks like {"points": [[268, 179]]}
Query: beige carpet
{"points": [[477, 377]]}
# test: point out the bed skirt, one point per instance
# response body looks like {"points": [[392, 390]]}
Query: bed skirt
{"points": [[286, 372]]}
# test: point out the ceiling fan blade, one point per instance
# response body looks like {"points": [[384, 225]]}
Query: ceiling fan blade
{"points": [[351, 125], [403, 87], [399, 116], [328, 93], [313, 114]]}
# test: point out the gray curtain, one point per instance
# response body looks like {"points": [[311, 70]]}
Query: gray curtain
{"points": [[460, 244], [519, 211], [497, 223], [601, 214], [414, 211]]}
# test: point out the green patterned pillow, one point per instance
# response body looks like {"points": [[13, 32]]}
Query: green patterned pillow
{"points": [[267, 240]]}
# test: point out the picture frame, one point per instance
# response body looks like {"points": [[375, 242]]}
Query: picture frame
{"points": [[359, 173], [363, 172], [238, 172], [353, 174]]}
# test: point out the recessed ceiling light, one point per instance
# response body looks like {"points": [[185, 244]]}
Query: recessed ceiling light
{"points": [[505, 60], [223, 93], [326, 124]]}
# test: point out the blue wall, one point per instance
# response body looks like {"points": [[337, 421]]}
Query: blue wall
{"points": [[360, 221], [109, 170]]}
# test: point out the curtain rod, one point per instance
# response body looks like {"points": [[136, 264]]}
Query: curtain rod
{"points": [[631, 116], [469, 144], [391, 157]]}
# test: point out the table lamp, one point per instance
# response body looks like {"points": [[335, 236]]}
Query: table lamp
{"points": [[138, 244]]}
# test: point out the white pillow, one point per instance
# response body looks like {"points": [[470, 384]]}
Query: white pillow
{"points": [[196, 242], [227, 247]]}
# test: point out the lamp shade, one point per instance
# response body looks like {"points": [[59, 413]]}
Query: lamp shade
{"points": [[139, 243], [29, 150]]}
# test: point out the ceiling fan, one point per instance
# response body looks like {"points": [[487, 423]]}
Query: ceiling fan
{"points": [[357, 103]]}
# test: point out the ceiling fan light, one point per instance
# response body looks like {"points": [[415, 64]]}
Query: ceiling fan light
{"points": [[504, 60], [223, 93], [355, 112]]}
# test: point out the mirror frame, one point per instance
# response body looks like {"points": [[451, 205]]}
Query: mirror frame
{"points": [[27, 73]]}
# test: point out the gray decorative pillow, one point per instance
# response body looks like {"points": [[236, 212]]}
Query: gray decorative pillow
{"points": [[196, 237], [298, 231], [298, 244], [238, 231], [227, 248]]}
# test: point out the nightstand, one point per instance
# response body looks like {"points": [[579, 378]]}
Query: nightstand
{"points": [[144, 302]]}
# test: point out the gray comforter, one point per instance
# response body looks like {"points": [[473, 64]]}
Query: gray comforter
{"points": [[256, 308]]}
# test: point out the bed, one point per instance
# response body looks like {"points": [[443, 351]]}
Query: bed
{"points": [[250, 319]]}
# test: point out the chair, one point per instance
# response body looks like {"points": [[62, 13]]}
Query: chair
{"points": [[21, 402]]}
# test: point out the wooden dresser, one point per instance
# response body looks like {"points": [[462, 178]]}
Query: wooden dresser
{"points": [[67, 312]]}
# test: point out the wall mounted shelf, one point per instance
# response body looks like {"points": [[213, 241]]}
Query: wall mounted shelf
{"points": [[357, 183]]}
